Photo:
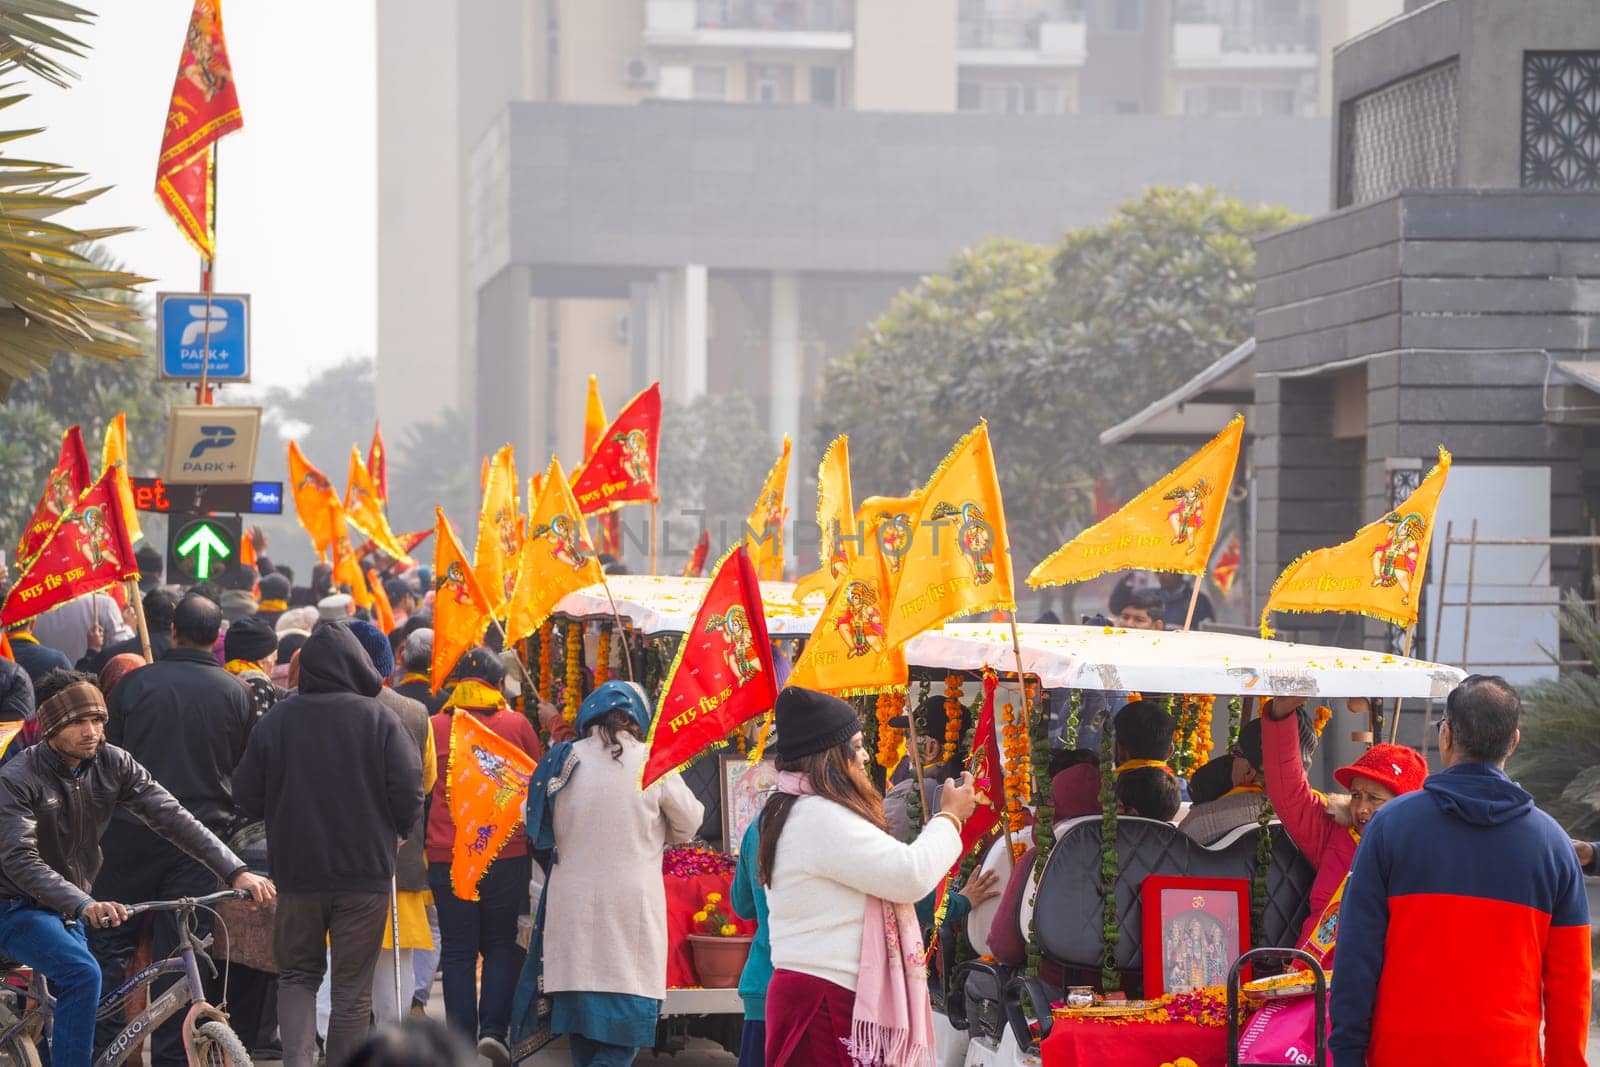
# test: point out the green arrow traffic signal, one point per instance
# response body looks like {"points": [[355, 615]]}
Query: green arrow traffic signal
{"points": [[203, 543]]}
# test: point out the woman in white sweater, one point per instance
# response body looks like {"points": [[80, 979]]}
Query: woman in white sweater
{"points": [[848, 984]]}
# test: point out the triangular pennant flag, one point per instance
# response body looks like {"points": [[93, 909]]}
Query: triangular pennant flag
{"points": [[460, 608], [87, 550], [494, 555], [203, 109], [364, 509], [836, 510], [378, 465], [722, 676], [988, 780], [1170, 527], [696, 567], [1225, 571], [594, 419], [114, 455], [763, 530], [380, 602], [486, 787], [68, 479], [893, 519], [622, 469], [959, 558], [557, 557], [347, 564], [848, 653], [1378, 572], [316, 502]]}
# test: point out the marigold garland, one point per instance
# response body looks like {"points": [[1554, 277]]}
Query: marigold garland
{"points": [[602, 666], [1320, 718], [1201, 1007], [1015, 747], [573, 694], [1043, 819], [952, 717], [1069, 734], [1191, 735], [547, 642], [1110, 977], [1235, 721], [891, 739]]}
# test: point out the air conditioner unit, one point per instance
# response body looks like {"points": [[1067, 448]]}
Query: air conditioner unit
{"points": [[639, 71]]}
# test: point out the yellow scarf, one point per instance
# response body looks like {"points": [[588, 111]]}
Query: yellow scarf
{"points": [[476, 695], [414, 676], [1248, 787], [242, 666], [273, 605], [18, 635], [1140, 764]]}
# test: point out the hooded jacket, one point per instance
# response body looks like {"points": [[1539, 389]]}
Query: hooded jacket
{"points": [[1464, 925], [334, 773]]}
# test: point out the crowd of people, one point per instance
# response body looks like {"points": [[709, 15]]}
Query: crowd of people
{"points": [[278, 741]]}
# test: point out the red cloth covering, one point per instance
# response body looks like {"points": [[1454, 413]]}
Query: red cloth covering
{"points": [[685, 896], [1087, 1043]]}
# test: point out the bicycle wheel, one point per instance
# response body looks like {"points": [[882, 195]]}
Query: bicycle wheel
{"points": [[19, 1051], [215, 1045]]}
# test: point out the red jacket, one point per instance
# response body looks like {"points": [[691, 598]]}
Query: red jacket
{"points": [[441, 834], [1465, 927], [1319, 833]]}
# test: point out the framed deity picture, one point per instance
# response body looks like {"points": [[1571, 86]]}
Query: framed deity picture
{"points": [[745, 787], [1194, 929]]}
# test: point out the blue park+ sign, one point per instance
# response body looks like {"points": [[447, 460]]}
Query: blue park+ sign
{"points": [[186, 327]]}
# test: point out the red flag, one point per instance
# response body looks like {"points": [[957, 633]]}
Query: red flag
{"points": [[1226, 568], [87, 551], [204, 108], [623, 467], [697, 559], [989, 783], [378, 465], [68, 479], [722, 675]]}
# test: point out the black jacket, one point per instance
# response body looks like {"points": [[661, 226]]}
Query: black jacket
{"points": [[51, 819], [186, 720], [38, 660], [16, 692], [334, 773], [160, 642], [420, 692]]}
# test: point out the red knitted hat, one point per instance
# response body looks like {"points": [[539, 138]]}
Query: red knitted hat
{"points": [[1395, 767]]}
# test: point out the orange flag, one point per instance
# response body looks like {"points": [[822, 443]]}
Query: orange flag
{"points": [[486, 786], [557, 557], [1226, 570], [378, 465], [1171, 526], [722, 675], [5, 648], [892, 518], [622, 469], [848, 653], [763, 530], [347, 565], [958, 559], [836, 520], [460, 608], [594, 419], [494, 556], [364, 508], [380, 602], [316, 502], [204, 108], [114, 454], [1378, 572], [247, 551], [68, 479], [696, 567], [87, 550]]}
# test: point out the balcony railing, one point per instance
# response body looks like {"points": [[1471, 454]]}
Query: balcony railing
{"points": [[809, 16], [1016, 30], [1247, 27]]}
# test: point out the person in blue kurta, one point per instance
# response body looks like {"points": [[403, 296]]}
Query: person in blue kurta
{"points": [[750, 902]]}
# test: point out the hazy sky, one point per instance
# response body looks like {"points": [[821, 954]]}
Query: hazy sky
{"points": [[297, 219]]}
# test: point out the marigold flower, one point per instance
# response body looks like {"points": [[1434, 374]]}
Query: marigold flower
{"points": [[701, 916], [729, 930], [713, 898]]}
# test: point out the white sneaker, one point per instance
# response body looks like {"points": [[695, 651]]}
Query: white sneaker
{"points": [[495, 1051]]}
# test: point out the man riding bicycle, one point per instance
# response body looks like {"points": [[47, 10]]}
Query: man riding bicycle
{"points": [[55, 801]]}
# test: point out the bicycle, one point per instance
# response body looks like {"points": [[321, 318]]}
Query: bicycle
{"points": [[209, 1039]]}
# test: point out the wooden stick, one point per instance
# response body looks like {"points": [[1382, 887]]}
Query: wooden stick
{"points": [[915, 757], [1199, 580], [1394, 724], [132, 586], [522, 667], [622, 631]]}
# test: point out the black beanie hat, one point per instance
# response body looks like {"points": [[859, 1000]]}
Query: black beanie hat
{"points": [[273, 587], [809, 722], [250, 638], [480, 665], [931, 718]]}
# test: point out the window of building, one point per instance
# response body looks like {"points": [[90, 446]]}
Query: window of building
{"points": [[710, 83], [771, 83], [1278, 103], [1117, 16], [1561, 120], [825, 86], [969, 96]]}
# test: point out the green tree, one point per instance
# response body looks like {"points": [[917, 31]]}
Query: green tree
{"points": [[86, 392], [1558, 759], [1051, 346], [54, 297], [431, 466]]}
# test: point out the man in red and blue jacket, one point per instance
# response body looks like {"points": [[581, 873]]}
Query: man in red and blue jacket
{"points": [[1465, 924]]}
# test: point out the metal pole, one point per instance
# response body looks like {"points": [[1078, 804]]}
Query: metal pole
{"points": [[394, 956], [1466, 614], [202, 394]]}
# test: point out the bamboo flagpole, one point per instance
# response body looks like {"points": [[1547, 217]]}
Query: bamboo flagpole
{"points": [[1394, 722], [132, 586], [622, 631], [915, 756]]}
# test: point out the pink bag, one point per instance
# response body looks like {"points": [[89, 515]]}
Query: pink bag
{"points": [[1285, 1031]]}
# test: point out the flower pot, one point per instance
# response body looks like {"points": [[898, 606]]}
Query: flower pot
{"points": [[718, 961]]}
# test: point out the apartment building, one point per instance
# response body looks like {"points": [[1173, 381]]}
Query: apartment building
{"points": [[723, 193]]}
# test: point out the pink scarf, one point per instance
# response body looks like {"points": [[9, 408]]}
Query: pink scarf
{"points": [[892, 1022]]}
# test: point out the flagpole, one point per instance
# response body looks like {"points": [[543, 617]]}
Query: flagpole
{"points": [[132, 586], [208, 266], [1194, 595], [915, 757], [1022, 683], [522, 667], [653, 537], [622, 631], [1394, 725]]}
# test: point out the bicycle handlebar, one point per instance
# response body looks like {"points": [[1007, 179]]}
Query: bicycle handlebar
{"points": [[187, 902]]}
